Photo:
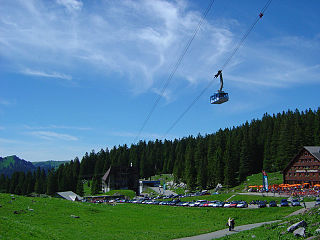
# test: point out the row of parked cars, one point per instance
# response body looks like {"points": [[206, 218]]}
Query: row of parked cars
{"points": [[198, 203], [283, 203], [215, 204]]}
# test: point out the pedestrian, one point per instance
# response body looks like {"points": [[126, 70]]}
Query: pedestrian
{"points": [[229, 224], [304, 204], [232, 223]]}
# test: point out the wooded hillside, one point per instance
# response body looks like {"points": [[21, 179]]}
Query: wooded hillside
{"points": [[226, 157]]}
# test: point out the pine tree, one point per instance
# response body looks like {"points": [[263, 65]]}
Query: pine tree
{"points": [[211, 180], [80, 190], [244, 168], [190, 171], [52, 185], [219, 166], [201, 163], [229, 169]]}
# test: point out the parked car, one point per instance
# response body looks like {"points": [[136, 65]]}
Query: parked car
{"points": [[284, 203], [185, 204], [227, 204], [295, 202], [233, 204], [273, 204], [317, 201], [262, 204], [242, 204], [211, 203], [199, 202], [218, 204]]}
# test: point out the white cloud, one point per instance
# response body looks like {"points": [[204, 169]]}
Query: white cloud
{"points": [[45, 74], [5, 140], [142, 136], [48, 135], [140, 41], [56, 127], [71, 5]]}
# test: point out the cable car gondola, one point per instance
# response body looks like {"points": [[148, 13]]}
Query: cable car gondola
{"points": [[220, 96]]}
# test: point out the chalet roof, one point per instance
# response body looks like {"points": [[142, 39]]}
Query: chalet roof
{"points": [[69, 195], [106, 175], [314, 150]]}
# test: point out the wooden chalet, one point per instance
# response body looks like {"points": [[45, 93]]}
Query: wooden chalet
{"points": [[117, 178], [304, 168]]}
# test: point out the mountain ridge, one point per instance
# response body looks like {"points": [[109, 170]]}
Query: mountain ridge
{"points": [[11, 164]]}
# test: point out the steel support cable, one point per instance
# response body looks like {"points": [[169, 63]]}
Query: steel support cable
{"points": [[223, 66], [188, 108], [246, 34], [175, 68]]}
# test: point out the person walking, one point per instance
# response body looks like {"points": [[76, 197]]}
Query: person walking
{"points": [[229, 224], [232, 223]]}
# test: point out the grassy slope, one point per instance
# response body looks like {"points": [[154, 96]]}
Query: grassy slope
{"points": [[129, 193], [51, 219], [49, 164], [6, 162], [256, 179], [278, 231]]}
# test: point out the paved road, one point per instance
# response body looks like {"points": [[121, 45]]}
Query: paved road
{"points": [[160, 191], [225, 232], [265, 194]]}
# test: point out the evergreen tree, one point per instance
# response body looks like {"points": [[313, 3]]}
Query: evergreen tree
{"points": [[80, 190], [244, 168], [52, 185], [190, 171], [229, 169], [211, 180]]}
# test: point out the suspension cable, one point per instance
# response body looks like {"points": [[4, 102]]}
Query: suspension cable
{"points": [[177, 64], [240, 43], [223, 66]]}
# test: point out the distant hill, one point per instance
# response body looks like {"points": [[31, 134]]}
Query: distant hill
{"points": [[47, 165], [11, 164]]}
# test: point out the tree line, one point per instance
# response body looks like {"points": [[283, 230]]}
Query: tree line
{"points": [[227, 156]]}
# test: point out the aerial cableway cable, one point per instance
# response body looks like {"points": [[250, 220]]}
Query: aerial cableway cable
{"points": [[166, 83], [223, 66], [246, 34]]}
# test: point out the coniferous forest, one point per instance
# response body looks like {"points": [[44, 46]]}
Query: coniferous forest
{"points": [[227, 156]]}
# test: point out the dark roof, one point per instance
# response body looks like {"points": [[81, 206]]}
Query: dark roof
{"points": [[106, 175], [314, 150]]}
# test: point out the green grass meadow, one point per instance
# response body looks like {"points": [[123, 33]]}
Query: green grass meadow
{"points": [[279, 230], [51, 219]]}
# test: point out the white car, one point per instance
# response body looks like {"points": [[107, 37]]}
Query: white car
{"points": [[198, 202]]}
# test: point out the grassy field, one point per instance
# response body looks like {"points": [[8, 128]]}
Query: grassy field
{"points": [[256, 179], [51, 219], [278, 230]]}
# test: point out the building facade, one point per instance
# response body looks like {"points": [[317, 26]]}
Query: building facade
{"points": [[117, 178], [304, 167]]}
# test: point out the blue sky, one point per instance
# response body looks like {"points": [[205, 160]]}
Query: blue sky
{"points": [[82, 75]]}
